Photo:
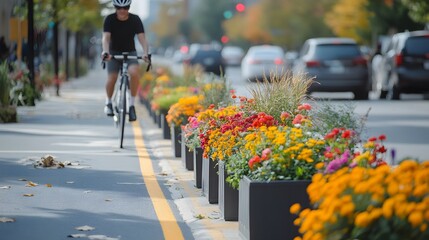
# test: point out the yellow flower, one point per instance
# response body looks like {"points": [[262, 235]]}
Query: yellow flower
{"points": [[415, 218], [295, 208], [362, 220]]}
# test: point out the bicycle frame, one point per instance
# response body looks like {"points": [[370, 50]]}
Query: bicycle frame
{"points": [[122, 91]]}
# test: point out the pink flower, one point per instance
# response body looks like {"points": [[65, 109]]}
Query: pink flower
{"points": [[304, 106]]}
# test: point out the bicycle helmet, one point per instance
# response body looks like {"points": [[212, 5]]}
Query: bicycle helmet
{"points": [[121, 3]]}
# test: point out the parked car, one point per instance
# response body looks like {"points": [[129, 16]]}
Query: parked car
{"points": [[404, 65], [209, 57], [232, 55], [261, 61], [337, 64]]}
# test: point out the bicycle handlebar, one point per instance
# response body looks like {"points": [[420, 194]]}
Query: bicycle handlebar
{"points": [[126, 56]]}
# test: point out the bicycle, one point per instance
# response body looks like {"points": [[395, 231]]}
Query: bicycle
{"points": [[122, 91]]}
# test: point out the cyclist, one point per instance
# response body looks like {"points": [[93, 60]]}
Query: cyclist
{"points": [[119, 31]]}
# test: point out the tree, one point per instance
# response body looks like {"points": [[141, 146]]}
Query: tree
{"points": [[209, 17], [390, 16], [350, 19], [419, 10]]}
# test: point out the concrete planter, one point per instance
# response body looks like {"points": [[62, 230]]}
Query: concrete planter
{"points": [[228, 196], [166, 132], [198, 166], [176, 139], [264, 208], [187, 155], [210, 180]]}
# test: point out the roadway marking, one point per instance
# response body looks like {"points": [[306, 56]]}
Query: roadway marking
{"points": [[163, 211]]}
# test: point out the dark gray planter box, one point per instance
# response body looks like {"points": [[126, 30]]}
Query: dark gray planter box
{"points": [[159, 120], [228, 196], [166, 132], [187, 156], [176, 139], [210, 180], [264, 208], [198, 166]]}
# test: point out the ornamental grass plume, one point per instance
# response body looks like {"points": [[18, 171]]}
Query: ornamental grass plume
{"points": [[368, 203], [279, 93]]}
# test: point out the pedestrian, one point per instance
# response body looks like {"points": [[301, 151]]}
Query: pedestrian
{"points": [[4, 49], [119, 31]]}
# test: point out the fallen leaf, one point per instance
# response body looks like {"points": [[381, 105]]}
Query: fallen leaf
{"points": [[28, 195], [101, 237], [81, 235], [31, 184], [199, 216], [22, 179], [84, 228], [6, 220], [108, 200], [48, 185], [4, 187]]}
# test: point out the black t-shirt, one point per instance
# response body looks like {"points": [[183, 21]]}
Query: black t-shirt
{"points": [[122, 33]]}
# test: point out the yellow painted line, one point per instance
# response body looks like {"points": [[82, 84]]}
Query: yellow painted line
{"points": [[165, 215]]}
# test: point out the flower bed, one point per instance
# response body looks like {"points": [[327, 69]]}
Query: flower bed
{"points": [[367, 203]]}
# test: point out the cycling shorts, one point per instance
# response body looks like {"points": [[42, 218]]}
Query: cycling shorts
{"points": [[114, 66]]}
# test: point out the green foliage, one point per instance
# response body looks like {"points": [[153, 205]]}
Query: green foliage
{"points": [[216, 92], [419, 10], [209, 14], [386, 19], [4, 84], [327, 116], [164, 102]]}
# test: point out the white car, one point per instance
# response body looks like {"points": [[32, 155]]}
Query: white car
{"points": [[232, 55], [262, 61]]}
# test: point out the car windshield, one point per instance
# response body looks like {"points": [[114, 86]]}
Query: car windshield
{"points": [[267, 53], [205, 53], [417, 45], [336, 51]]}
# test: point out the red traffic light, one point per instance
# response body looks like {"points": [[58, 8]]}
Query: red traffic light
{"points": [[240, 7]]}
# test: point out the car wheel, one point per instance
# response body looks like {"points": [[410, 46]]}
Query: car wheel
{"points": [[393, 93], [380, 94], [361, 95]]}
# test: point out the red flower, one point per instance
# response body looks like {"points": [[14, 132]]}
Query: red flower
{"points": [[329, 155], [266, 153], [284, 115], [253, 161], [382, 137], [298, 119], [346, 134], [372, 139], [304, 106]]}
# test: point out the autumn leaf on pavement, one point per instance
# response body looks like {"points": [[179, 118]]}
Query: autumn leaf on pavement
{"points": [[80, 235], [85, 228], [48, 185], [28, 195], [6, 220], [31, 184]]}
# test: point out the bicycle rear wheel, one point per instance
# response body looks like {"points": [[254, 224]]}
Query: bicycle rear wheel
{"points": [[122, 110]]}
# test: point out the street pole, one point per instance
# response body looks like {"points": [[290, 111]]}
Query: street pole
{"points": [[30, 6]]}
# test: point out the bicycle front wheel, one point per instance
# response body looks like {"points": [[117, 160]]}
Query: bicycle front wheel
{"points": [[123, 110]]}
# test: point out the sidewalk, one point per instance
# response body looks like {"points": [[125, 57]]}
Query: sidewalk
{"points": [[203, 219]]}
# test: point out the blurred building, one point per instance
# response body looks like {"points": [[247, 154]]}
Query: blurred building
{"points": [[6, 10]]}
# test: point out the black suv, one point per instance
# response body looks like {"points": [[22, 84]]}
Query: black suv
{"points": [[209, 57], [405, 65]]}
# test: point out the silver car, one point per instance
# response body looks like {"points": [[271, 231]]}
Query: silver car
{"points": [[337, 64], [262, 61]]}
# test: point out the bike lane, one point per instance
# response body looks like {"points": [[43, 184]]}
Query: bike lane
{"points": [[111, 193]]}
